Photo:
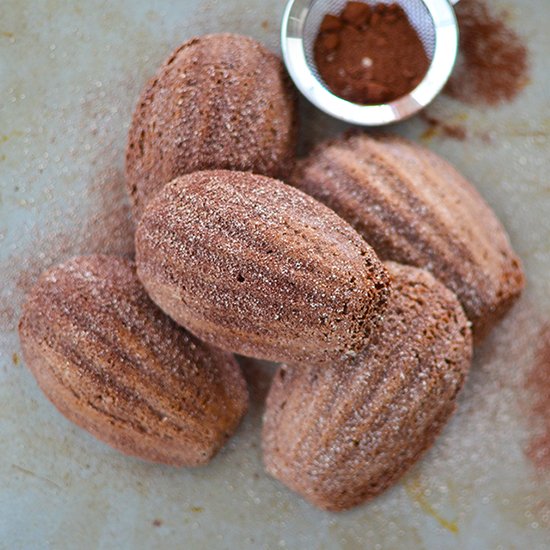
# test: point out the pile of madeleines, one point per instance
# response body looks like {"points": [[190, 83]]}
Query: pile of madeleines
{"points": [[368, 274]]}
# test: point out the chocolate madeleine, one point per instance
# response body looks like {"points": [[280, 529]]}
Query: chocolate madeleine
{"points": [[114, 364], [259, 268], [413, 207], [219, 101], [342, 434]]}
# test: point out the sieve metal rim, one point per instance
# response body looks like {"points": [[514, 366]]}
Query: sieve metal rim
{"points": [[441, 66]]}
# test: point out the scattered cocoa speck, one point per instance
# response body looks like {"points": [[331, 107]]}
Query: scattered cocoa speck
{"points": [[15, 359], [492, 65], [197, 509], [157, 522], [265, 25], [8, 318], [437, 126], [487, 137], [537, 383]]}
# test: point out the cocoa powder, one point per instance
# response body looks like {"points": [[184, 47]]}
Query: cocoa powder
{"points": [[100, 223], [537, 383], [492, 65], [439, 127], [370, 54]]}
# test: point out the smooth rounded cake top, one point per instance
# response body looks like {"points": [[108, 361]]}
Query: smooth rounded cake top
{"points": [[413, 207], [219, 101], [113, 363], [342, 434], [260, 268]]}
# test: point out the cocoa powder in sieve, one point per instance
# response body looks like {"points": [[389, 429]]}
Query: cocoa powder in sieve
{"points": [[370, 54]]}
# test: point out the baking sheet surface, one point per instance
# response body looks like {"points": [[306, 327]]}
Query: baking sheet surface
{"points": [[70, 73]]}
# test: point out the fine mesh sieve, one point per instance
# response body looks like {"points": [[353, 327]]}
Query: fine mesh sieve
{"points": [[435, 24]]}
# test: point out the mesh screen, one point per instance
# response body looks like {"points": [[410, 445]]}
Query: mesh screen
{"points": [[416, 11]]}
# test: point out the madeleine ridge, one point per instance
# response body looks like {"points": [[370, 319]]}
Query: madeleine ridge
{"points": [[342, 434], [413, 207], [115, 365], [257, 267], [219, 101]]}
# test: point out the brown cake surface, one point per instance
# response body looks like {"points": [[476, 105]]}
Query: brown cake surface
{"points": [[219, 101], [257, 267], [413, 207], [340, 435], [114, 364]]}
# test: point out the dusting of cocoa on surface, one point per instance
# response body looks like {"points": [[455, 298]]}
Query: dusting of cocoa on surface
{"points": [[492, 65], [537, 383], [102, 223], [107, 228], [29, 265], [370, 54], [7, 315]]}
